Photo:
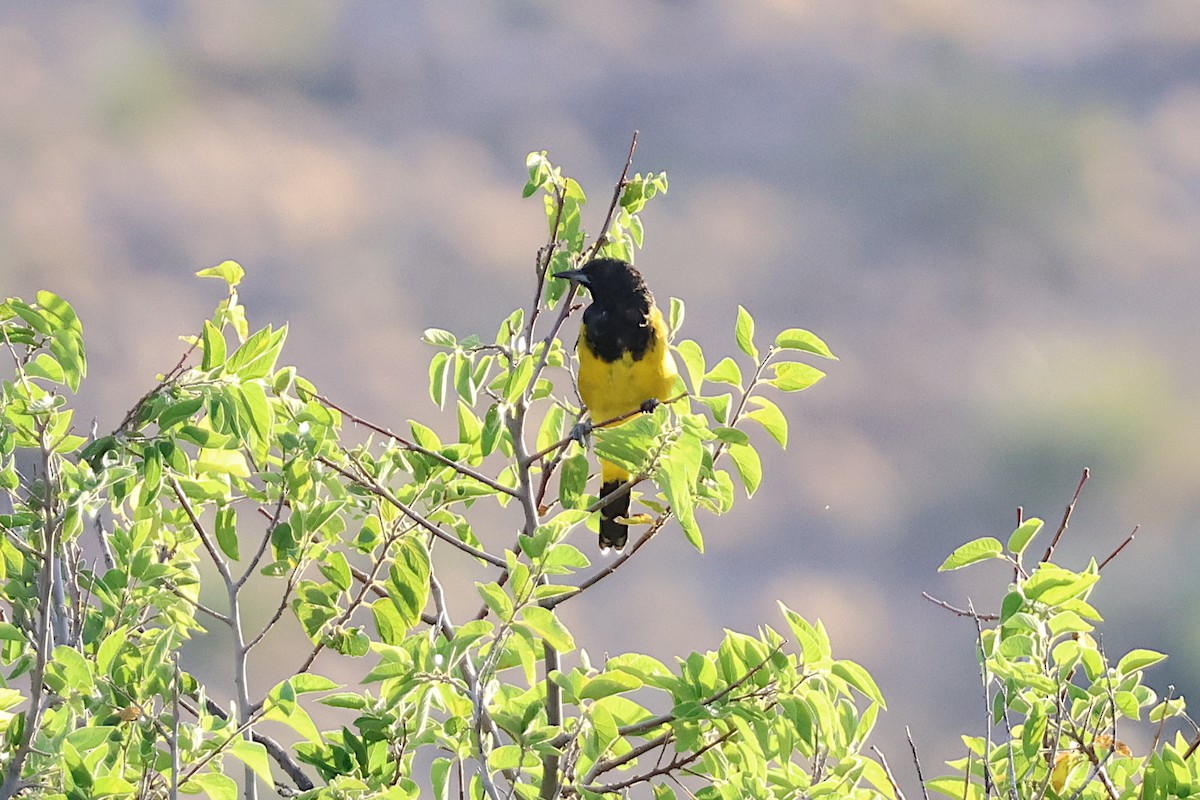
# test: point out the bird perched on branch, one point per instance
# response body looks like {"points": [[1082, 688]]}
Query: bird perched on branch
{"points": [[625, 364]]}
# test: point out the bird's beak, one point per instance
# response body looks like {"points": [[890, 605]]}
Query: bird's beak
{"points": [[573, 275]]}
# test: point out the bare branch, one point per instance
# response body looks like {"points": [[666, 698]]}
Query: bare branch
{"points": [[962, 612], [602, 238], [408, 444], [566, 440], [888, 771], [367, 482], [1120, 547], [916, 763], [1066, 516]]}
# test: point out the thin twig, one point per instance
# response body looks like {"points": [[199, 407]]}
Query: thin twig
{"points": [[566, 440], [677, 763], [408, 444], [545, 255], [379, 489], [612, 566], [988, 783], [888, 771], [205, 539], [962, 612], [1120, 547], [1066, 516], [168, 378], [266, 540], [602, 239], [916, 763]]}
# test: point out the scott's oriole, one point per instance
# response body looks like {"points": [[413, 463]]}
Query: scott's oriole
{"points": [[624, 364]]}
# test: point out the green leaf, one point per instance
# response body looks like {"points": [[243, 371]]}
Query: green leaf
{"points": [[344, 700], [800, 339], [572, 480], [226, 528], [408, 580], [719, 405], [676, 475], [253, 755], [1135, 660], [550, 431], [489, 437], [743, 332], [229, 271], [693, 363], [518, 379], [730, 435], [226, 462], [424, 435], [793, 377], [609, 683], [213, 785], [336, 568], [178, 412], [543, 623], [749, 466], [44, 366], [257, 355], [439, 377], [1053, 585], [771, 418], [108, 649], [439, 778], [628, 444], [439, 338], [663, 792], [67, 348], [727, 371], [980, 549], [388, 622], [213, 344], [1021, 536], [496, 599], [676, 315], [252, 400], [814, 643]]}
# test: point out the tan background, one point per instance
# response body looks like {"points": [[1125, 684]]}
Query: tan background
{"points": [[990, 210]]}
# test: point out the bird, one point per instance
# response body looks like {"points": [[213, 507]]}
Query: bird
{"points": [[625, 364]]}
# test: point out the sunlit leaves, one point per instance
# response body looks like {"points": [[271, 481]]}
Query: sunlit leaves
{"points": [[744, 333], [693, 362], [1023, 534], [234, 461], [545, 625], [771, 418], [790, 376], [974, 551], [725, 371], [229, 271], [256, 357], [799, 339]]}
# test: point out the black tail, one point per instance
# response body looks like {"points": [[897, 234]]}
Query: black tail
{"points": [[612, 533]]}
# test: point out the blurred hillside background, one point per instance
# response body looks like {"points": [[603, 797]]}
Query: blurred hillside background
{"points": [[989, 210]]}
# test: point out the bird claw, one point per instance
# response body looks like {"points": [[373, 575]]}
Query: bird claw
{"points": [[582, 432], [648, 406]]}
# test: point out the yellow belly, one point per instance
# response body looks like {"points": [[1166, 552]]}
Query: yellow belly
{"points": [[610, 389]]}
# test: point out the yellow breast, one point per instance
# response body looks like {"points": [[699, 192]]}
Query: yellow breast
{"points": [[610, 389]]}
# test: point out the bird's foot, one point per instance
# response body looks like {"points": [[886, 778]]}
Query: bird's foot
{"points": [[582, 432], [648, 406]]}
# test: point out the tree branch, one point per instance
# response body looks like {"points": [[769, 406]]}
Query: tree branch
{"points": [[407, 444], [379, 489], [1066, 516]]}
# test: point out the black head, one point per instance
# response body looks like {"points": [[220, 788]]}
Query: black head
{"points": [[610, 281]]}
